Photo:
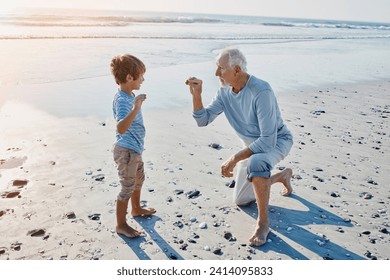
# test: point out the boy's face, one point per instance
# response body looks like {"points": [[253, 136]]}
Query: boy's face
{"points": [[136, 84]]}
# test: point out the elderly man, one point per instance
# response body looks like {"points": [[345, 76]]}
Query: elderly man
{"points": [[252, 110]]}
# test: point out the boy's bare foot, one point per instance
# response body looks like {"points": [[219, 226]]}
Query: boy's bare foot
{"points": [[128, 231], [260, 236], [286, 181], [143, 212]]}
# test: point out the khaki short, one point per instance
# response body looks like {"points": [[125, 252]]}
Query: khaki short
{"points": [[130, 171]]}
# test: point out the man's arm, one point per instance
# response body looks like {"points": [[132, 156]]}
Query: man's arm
{"points": [[203, 116], [196, 92], [266, 111], [228, 166]]}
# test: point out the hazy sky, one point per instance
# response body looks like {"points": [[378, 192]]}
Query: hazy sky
{"points": [[359, 10]]}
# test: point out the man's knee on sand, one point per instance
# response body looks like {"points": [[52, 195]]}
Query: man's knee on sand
{"points": [[243, 193], [243, 201]]}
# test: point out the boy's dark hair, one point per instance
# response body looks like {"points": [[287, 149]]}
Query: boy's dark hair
{"points": [[122, 65]]}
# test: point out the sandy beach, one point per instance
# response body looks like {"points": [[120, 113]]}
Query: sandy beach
{"points": [[58, 184]]}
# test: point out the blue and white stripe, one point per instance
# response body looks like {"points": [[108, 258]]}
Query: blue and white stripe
{"points": [[134, 137]]}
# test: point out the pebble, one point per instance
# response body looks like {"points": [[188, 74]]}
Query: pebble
{"points": [[194, 235], [70, 215], [370, 181], [317, 112], [382, 211], [383, 230], [340, 230], [231, 184], [203, 226], [334, 194], [217, 251], [366, 195], [178, 192], [215, 146], [179, 224], [207, 248], [347, 220], [94, 217], [228, 236], [99, 177], [192, 219], [193, 194]]}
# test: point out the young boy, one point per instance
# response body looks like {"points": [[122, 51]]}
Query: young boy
{"points": [[128, 72]]}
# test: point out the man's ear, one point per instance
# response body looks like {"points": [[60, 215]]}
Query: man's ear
{"points": [[237, 69]]}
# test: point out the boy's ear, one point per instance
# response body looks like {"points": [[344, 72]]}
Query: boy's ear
{"points": [[129, 77]]}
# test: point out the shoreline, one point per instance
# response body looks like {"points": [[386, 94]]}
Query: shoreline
{"points": [[58, 184]]}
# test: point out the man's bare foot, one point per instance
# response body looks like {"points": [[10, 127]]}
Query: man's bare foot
{"points": [[286, 181], [143, 212], [260, 236], [128, 231]]}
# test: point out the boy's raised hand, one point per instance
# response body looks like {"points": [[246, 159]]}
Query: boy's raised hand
{"points": [[139, 99]]}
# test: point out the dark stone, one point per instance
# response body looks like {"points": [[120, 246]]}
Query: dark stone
{"points": [[193, 194], [231, 184], [334, 194], [217, 251], [179, 224], [94, 217], [99, 177], [177, 192], [215, 146], [228, 236]]}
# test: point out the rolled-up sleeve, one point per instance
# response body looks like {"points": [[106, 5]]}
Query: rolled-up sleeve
{"points": [[206, 115], [267, 119]]}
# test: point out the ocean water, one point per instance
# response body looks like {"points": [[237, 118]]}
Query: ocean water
{"points": [[114, 24], [55, 59]]}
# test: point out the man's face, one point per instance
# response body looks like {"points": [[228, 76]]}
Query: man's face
{"points": [[224, 71]]}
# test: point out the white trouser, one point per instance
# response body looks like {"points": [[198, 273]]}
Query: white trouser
{"points": [[243, 192]]}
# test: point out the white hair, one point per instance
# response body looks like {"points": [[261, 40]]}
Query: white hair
{"points": [[235, 57]]}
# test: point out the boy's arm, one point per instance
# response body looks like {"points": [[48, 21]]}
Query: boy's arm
{"points": [[124, 124]]}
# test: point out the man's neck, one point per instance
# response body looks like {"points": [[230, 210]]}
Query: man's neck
{"points": [[241, 83]]}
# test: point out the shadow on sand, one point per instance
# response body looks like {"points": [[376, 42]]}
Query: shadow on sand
{"points": [[319, 245], [148, 224]]}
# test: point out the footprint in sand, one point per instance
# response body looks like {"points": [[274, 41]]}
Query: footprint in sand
{"points": [[16, 246], [10, 194], [19, 183], [3, 212], [36, 232]]}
